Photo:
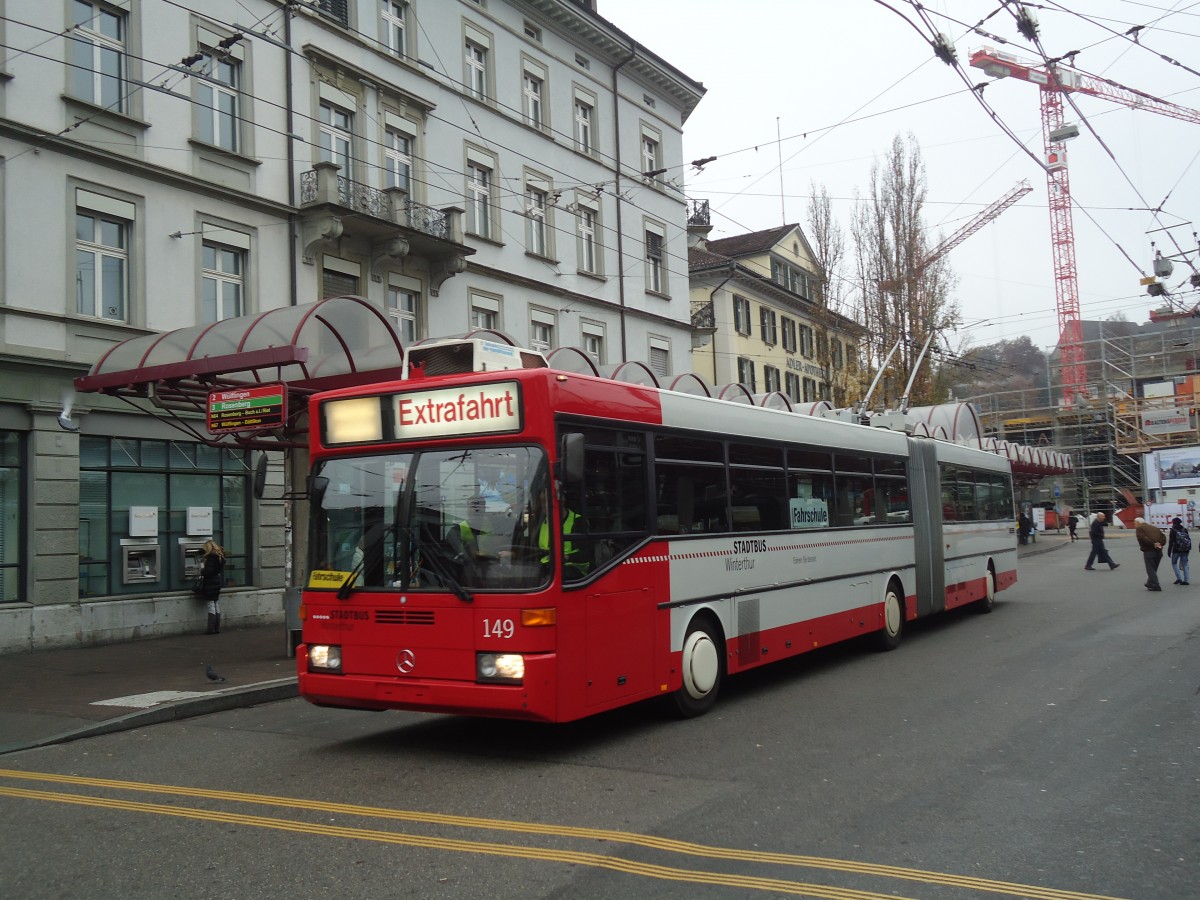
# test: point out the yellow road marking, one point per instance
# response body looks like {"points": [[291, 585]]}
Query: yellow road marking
{"points": [[533, 828], [595, 860]]}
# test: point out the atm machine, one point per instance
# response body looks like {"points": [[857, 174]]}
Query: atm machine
{"points": [[140, 562]]}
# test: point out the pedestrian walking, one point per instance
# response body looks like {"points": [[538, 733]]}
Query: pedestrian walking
{"points": [[1151, 540], [213, 573], [1179, 545], [1072, 524], [1024, 523], [1099, 551]]}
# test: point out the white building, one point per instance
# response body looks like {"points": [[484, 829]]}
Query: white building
{"points": [[458, 163]]}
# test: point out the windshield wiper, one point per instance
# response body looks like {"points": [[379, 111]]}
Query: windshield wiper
{"points": [[343, 593], [438, 564]]}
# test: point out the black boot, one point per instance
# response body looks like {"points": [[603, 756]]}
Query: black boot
{"points": [[212, 623], [217, 624]]}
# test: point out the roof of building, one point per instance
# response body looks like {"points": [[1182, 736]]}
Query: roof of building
{"points": [[748, 244], [701, 259]]}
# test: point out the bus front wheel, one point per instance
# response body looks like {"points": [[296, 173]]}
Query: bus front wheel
{"points": [[888, 637], [702, 671]]}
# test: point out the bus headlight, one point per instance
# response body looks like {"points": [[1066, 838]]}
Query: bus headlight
{"points": [[325, 658], [505, 668]]}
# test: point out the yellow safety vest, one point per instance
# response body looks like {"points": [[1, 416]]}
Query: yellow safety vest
{"points": [[569, 549]]}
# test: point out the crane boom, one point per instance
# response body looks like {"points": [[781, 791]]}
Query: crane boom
{"points": [[1056, 81], [985, 215], [1066, 80]]}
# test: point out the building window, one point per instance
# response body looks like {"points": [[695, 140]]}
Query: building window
{"points": [[397, 155], [340, 277], [589, 255], [656, 272], [660, 357], [810, 391], [217, 100], [476, 70], [835, 354], [745, 369], [651, 158], [794, 279], [12, 514], [770, 378], [98, 54], [541, 331], [337, 10], [101, 265], [479, 200], [583, 125], [791, 382], [336, 134], [533, 32], [767, 324], [393, 13], [806, 340], [741, 315], [485, 312], [118, 473], [531, 91], [403, 306], [535, 218], [593, 343], [222, 282], [789, 334]]}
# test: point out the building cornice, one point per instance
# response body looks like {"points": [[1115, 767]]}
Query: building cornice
{"points": [[45, 140], [603, 37]]}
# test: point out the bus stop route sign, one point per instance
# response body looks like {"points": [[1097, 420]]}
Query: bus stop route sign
{"points": [[247, 409]]}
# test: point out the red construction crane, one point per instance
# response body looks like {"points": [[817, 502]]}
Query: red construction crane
{"points": [[1055, 81], [987, 214]]}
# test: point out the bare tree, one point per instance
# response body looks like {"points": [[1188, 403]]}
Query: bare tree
{"points": [[828, 243], [905, 296]]}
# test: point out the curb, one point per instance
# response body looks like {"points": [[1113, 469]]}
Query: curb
{"points": [[219, 701]]}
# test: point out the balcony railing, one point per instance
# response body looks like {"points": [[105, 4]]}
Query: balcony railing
{"points": [[322, 184], [703, 315], [698, 213], [426, 219]]}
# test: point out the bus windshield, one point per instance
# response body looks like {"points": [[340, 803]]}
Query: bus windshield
{"points": [[438, 520]]}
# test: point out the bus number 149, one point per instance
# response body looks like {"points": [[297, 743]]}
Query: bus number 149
{"points": [[498, 628]]}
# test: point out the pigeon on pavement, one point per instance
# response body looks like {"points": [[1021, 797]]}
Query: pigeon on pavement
{"points": [[212, 673]]}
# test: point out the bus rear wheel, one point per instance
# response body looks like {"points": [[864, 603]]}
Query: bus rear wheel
{"points": [[702, 671], [888, 637], [987, 602]]}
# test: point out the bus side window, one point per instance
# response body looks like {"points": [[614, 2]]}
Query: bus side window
{"points": [[676, 501]]}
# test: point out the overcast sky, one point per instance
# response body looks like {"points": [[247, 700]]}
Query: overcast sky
{"points": [[838, 79]]}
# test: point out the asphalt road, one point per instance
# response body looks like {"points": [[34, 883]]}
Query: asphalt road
{"points": [[1047, 750]]}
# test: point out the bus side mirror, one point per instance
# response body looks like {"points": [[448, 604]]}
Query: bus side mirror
{"points": [[260, 476], [572, 458], [317, 484]]}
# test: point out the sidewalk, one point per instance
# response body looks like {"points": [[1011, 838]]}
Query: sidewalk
{"points": [[53, 696]]}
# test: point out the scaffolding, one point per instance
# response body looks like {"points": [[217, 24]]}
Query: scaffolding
{"points": [[1142, 394]]}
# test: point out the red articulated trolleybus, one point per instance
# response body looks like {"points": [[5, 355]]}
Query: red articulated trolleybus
{"points": [[538, 544]]}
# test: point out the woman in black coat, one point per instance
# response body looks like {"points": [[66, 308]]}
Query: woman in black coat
{"points": [[213, 574]]}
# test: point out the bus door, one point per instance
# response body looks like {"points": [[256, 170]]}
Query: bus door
{"points": [[927, 526]]}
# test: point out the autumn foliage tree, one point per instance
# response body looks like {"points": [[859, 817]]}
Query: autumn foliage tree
{"points": [[905, 295]]}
